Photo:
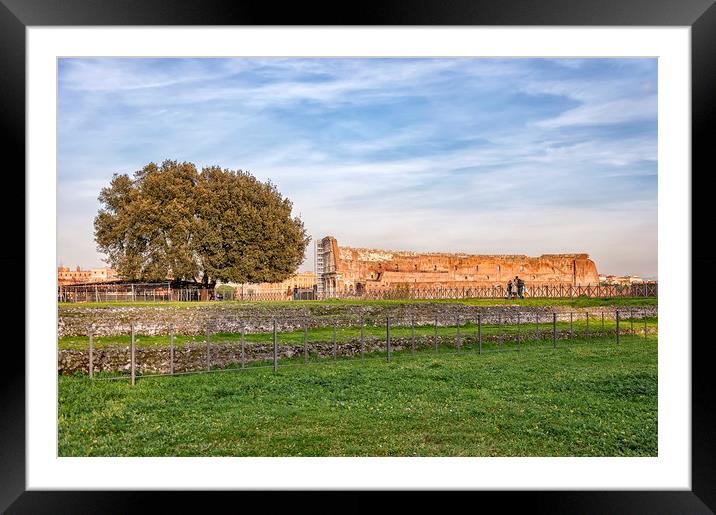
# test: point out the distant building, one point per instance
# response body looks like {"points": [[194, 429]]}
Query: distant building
{"points": [[620, 279], [78, 276], [301, 281]]}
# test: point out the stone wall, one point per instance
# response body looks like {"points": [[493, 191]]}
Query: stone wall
{"points": [[76, 320]]}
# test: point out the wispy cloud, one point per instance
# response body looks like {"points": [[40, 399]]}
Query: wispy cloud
{"points": [[607, 113], [114, 75]]}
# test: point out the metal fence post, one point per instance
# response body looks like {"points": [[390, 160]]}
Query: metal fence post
{"points": [[387, 339], [208, 349], [499, 326], [554, 330], [243, 344], [412, 334], [305, 341], [436, 334], [571, 332], [91, 354], [617, 326], [631, 321], [586, 331], [131, 354], [537, 325], [644, 315], [335, 345], [362, 338], [518, 331], [171, 349], [457, 340], [275, 347], [479, 333], [604, 333]]}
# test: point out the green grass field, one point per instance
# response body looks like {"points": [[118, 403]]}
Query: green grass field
{"points": [[579, 302], [585, 398]]}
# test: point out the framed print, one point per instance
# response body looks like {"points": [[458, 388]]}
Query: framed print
{"points": [[513, 156]]}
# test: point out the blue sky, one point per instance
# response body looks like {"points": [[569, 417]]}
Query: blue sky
{"points": [[516, 156]]}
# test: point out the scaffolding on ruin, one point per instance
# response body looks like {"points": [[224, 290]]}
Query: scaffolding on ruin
{"points": [[319, 266]]}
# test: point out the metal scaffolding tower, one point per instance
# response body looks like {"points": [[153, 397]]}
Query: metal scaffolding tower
{"points": [[320, 268]]}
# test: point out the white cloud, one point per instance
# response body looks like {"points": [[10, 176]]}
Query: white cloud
{"points": [[119, 74], [616, 111]]}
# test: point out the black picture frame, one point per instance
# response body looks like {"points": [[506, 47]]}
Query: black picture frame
{"points": [[699, 15]]}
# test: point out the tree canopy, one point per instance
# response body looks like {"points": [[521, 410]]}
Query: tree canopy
{"points": [[172, 221]]}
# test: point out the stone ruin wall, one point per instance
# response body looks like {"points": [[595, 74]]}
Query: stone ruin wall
{"points": [[375, 269], [76, 320]]}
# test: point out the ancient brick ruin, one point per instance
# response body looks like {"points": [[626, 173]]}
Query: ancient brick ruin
{"points": [[346, 269]]}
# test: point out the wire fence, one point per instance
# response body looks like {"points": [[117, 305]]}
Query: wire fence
{"points": [[136, 292], [269, 295], [158, 292], [649, 289], [280, 342]]}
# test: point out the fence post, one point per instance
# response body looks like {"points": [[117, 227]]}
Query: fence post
{"points": [[436, 334], [275, 347], [362, 338], [644, 315], [131, 354], [208, 349], [499, 326], [586, 331], [617, 326], [518, 331], [335, 345], [571, 333], [243, 343], [603, 331], [412, 334], [554, 330], [387, 339], [305, 341], [171, 349], [479, 333], [457, 341], [91, 353], [631, 321], [537, 325]]}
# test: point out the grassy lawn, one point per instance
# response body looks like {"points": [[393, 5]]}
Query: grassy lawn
{"points": [[584, 398], [579, 302], [528, 327]]}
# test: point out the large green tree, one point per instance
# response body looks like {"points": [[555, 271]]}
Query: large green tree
{"points": [[208, 226]]}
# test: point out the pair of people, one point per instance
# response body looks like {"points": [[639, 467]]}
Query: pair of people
{"points": [[518, 284]]}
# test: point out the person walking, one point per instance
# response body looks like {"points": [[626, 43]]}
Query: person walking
{"points": [[509, 289], [520, 287]]}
